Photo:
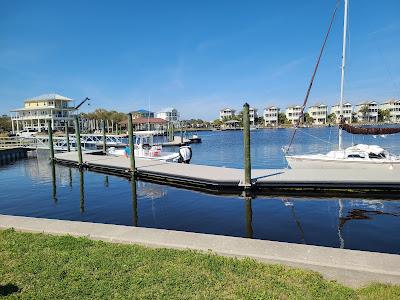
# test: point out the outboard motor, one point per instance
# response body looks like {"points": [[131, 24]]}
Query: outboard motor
{"points": [[185, 154]]}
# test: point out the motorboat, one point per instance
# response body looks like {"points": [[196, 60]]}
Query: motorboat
{"points": [[195, 139], [146, 148]]}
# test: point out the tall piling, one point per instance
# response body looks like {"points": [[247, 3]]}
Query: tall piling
{"points": [[131, 144], [181, 133], [246, 145], [67, 137], [78, 140], [104, 137], [51, 145]]}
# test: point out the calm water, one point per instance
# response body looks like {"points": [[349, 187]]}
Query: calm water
{"points": [[28, 188]]}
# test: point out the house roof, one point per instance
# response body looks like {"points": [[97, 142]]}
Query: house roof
{"points": [[367, 103], [272, 106], [145, 121], [344, 103], [46, 97], [143, 111], [227, 108], [318, 105], [392, 101]]}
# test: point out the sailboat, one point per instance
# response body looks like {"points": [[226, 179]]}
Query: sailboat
{"points": [[359, 156]]}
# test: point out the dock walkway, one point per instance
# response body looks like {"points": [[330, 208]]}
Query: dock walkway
{"points": [[220, 179]]}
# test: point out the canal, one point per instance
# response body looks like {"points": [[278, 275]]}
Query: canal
{"points": [[29, 187]]}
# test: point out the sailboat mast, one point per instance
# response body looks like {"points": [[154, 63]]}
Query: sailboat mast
{"points": [[343, 66]]}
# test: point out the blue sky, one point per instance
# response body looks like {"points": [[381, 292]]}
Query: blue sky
{"points": [[197, 56]]}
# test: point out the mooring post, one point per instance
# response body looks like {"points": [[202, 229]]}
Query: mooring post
{"points": [[131, 144], [78, 140], [51, 145], [181, 133], [104, 137], [246, 144], [67, 137]]}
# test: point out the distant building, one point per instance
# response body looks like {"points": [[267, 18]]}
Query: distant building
{"points": [[145, 124], [370, 114], [271, 115], [319, 113], [293, 113], [252, 115], [347, 112], [169, 115], [394, 107], [37, 110], [226, 113], [142, 113]]}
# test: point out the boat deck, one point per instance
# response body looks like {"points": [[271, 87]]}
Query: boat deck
{"points": [[228, 180]]}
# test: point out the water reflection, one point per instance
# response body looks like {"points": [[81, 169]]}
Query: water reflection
{"points": [[53, 179], [249, 217], [290, 205], [134, 202], [82, 191], [106, 181]]}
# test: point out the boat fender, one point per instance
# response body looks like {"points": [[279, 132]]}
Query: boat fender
{"points": [[185, 154]]}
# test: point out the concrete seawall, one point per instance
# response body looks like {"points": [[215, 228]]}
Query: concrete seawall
{"points": [[350, 267]]}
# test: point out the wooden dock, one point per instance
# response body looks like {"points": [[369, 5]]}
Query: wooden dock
{"points": [[229, 180]]}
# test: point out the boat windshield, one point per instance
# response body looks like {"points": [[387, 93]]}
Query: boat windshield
{"points": [[377, 156]]}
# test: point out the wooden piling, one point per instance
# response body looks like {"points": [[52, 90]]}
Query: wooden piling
{"points": [[78, 140], [181, 133], [104, 137], [246, 144], [131, 144], [51, 145], [67, 137]]}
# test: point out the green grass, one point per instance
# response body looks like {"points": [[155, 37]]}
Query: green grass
{"points": [[38, 266]]}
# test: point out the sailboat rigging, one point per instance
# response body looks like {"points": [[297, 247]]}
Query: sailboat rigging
{"points": [[358, 156]]}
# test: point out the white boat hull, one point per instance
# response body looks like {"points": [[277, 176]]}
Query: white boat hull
{"points": [[301, 162]]}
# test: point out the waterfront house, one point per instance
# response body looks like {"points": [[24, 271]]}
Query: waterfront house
{"points": [[319, 113], [367, 111], [142, 113], [226, 113], [169, 115], [36, 111], [252, 115], [293, 113], [347, 112], [271, 115], [393, 106]]}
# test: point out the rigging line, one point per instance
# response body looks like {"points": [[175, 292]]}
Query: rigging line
{"points": [[318, 138], [313, 76]]}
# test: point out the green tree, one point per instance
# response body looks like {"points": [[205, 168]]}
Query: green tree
{"points": [[5, 123], [383, 115], [217, 123], [331, 118], [282, 119], [364, 110], [307, 118]]}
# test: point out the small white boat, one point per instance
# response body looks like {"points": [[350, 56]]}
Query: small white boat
{"points": [[145, 148], [355, 157]]}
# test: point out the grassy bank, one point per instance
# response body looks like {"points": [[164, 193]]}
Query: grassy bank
{"points": [[61, 267]]}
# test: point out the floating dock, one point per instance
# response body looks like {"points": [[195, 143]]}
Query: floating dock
{"points": [[229, 180]]}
